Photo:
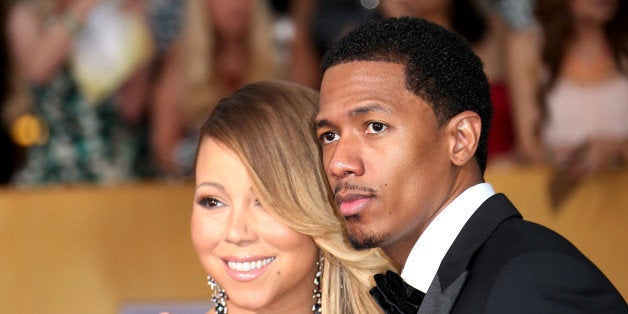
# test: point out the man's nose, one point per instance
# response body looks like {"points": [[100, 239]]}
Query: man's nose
{"points": [[345, 159]]}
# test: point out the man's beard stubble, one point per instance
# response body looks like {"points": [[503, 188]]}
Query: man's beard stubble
{"points": [[363, 240]]}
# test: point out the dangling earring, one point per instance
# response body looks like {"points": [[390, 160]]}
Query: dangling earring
{"points": [[219, 296], [316, 308]]}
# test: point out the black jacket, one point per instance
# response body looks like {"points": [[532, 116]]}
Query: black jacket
{"points": [[500, 263]]}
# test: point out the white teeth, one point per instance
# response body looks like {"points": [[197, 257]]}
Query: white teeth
{"points": [[248, 266]]}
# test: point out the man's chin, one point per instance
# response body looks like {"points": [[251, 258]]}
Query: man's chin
{"points": [[361, 235], [362, 241]]}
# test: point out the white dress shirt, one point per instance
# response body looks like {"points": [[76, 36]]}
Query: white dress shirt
{"points": [[429, 251]]}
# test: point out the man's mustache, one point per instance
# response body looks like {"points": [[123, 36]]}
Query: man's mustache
{"points": [[348, 186]]}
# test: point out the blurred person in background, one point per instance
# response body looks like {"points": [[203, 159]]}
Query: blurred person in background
{"points": [[223, 45], [487, 32], [135, 98], [573, 106], [80, 139], [317, 23]]}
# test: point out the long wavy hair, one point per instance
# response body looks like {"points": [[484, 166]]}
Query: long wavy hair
{"points": [[269, 125], [203, 86]]}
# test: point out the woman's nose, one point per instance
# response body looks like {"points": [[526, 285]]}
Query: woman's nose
{"points": [[240, 230]]}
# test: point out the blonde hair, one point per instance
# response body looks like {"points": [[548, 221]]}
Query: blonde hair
{"points": [[203, 86], [270, 126]]}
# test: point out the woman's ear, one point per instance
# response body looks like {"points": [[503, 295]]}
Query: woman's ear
{"points": [[464, 130]]}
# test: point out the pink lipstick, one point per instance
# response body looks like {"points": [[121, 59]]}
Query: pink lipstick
{"points": [[246, 269]]}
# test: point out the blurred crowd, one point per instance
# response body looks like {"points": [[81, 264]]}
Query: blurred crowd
{"points": [[105, 91]]}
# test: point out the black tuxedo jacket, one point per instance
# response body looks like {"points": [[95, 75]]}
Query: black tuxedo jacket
{"points": [[500, 263]]}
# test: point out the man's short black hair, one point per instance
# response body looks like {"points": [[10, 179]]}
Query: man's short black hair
{"points": [[440, 66]]}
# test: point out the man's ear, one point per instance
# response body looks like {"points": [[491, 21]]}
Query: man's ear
{"points": [[464, 130]]}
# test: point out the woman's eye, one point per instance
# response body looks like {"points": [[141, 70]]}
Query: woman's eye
{"points": [[329, 137], [209, 202], [376, 127]]}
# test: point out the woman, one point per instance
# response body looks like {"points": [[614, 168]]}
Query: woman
{"points": [[575, 106], [262, 221], [586, 64], [79, 139], [223, 45]]}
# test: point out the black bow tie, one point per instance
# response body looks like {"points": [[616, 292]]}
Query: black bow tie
{"points": [[394, 295]]}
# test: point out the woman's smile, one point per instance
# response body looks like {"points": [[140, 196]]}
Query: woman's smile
{"points": [[246, 270]]}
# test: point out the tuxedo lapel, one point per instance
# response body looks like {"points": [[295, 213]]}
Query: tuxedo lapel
{"points": [[452, 272], [438, 300]]}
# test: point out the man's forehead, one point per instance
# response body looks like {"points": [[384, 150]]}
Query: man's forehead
{"points": [[381, 69], [357, 80]]}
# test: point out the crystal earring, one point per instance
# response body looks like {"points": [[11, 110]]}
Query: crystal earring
{"points": [[316, 308], [219, 296]]}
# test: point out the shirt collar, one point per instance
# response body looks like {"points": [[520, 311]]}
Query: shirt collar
{"points": [[431, 247]]}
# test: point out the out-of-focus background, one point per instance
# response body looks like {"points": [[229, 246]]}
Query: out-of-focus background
{"points": [[100, 101]]}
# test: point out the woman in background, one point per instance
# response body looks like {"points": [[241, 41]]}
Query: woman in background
{"points": [[575, 107], [224, 45], [263, 223], [78, 140]]}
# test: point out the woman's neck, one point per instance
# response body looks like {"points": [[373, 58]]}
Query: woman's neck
{"points": [[586, 33], [589, 57]]}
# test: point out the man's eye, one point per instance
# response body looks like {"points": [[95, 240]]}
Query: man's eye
{"points": [[209, 202], [328, 137], [376, 127]]}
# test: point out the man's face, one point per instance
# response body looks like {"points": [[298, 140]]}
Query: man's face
{"points": [[384, 154]]}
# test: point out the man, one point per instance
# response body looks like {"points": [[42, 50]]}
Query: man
{"points": [[403, 123]]}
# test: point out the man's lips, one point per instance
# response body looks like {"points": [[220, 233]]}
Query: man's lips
{"points": [[352, 204]]}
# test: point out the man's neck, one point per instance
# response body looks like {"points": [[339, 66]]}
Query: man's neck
{"points": [[399, 250]]}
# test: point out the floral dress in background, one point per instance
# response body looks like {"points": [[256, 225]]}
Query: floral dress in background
{"points": [[85, 142]]}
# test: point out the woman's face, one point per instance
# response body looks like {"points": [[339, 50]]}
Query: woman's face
{"points": [[593, 11], [231, 18], [258, 261]]}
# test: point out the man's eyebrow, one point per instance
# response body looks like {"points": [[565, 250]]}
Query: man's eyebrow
{"points": [[362, 110], [367, 109]]}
